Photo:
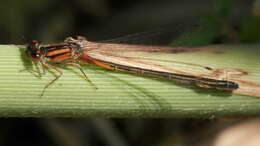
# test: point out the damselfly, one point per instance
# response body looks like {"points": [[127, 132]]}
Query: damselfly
{"points": [[111, 57]]}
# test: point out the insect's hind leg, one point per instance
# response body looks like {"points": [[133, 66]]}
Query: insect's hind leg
{"points": [[82, 71]]}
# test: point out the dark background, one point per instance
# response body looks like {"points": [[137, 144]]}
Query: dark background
{"points": [[50, 21], [220, 21]]}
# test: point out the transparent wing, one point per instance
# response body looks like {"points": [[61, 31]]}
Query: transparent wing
{"points": [[162, 35], [166, 59]]}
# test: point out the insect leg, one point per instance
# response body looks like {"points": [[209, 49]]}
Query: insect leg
{"points": [[36, 71], [82, 71], [52, 81]]}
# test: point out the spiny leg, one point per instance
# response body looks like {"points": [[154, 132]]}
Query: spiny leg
{"points": [[82, 71], [36, 71], [32, 71], [52, 81]]}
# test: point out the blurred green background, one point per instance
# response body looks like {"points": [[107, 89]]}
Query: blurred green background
{"points": [[221, 21], [50, 21]]}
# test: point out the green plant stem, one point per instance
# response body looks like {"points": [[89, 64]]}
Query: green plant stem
{"points": [[118, 94]]}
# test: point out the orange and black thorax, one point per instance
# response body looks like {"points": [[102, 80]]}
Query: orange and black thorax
{"points": [[53, 52]]}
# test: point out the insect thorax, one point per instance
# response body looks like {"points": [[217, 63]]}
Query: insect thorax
{"points": [[76, 52]]}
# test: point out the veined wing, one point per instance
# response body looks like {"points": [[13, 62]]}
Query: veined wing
{"points": [[148, 57], [130, 58], [160, 35]]}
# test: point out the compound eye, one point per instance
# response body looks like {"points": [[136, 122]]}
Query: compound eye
{"points": [[34, 55]]}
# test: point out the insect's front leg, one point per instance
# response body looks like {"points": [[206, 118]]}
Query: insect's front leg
{"points": [[40, 72]]}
